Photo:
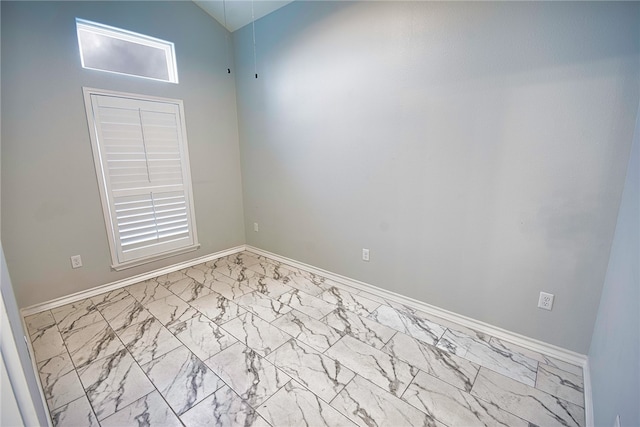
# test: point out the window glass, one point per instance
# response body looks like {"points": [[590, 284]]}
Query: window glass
{"points": [[119, 51]]}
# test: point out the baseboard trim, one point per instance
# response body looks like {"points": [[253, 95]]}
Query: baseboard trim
{"points": [[59, 302], [502, 334]]}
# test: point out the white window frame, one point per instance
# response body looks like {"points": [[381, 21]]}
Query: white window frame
{"points": [[104, 186], [129, 36]]}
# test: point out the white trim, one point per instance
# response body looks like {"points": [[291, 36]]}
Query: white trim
{"points": [[132, 37], [15, 370], [588, 394], [503, 334], [59, 302], [119, 262], [146, 260]]}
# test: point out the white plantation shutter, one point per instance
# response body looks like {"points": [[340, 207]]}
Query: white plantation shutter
{"points": [[141, 156]]}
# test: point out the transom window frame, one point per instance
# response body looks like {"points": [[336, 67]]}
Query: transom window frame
{"points": [[132, 37], [104, 186]]}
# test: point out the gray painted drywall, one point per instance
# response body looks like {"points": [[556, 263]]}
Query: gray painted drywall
{"points": [[614, 356], [13, 314], [50, 202], [477, 149]]}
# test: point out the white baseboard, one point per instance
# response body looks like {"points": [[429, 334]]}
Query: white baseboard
{"points": [[502, 334], [59, 302]]}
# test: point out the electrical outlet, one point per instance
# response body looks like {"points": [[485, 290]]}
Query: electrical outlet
{"points": [[256, 227], [545, 301], [76, 261], [365, 254]]}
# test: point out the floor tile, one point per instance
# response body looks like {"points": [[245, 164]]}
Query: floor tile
{"points": [[91, 343], [484, 353], [123, 312], [408, 323], [235, 271], [366, 330], [252, 377], [149, 290], [368, 405], [309, 283], [448, 367], [267, 286], [39, 321], [189, 290], [247, 340], [300, 279], [244, 258], [256, 333], [224, 408], [308, 330], [561, 384], [269, 269], [374, 297], [311, 306], [76, 315], [169, 278], [46, 343], [380, 368], [227, 287], [348, 301], [541, 358], [319, 373], [526, 402], [60, 381], [148, 411], [114, 382], [206, 272], [218, 308], [109, 298], [74, 414], [263, 306], [171, 310], [148, 340], [446, 324], [294, 406], [203, 337], [454, 407], [182, 379]]}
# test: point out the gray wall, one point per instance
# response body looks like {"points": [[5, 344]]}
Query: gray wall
{"points": [[13, 314], [50, 202], [614, 356], [478, 149]]}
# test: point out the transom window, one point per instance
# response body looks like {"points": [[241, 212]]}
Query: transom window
{"points": [[120, 51]]}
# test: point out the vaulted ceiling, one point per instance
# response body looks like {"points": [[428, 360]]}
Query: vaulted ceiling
{"points": [[238, 12]]}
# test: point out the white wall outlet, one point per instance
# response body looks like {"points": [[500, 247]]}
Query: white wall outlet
{"points": [[76, 261], [256, 227], [545, 301], [365, 254]]}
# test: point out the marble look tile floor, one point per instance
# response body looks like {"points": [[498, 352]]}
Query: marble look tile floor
{"points": [[247, 341]]}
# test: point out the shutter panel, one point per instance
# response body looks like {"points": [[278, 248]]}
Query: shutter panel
{"points": [[146, 175]]}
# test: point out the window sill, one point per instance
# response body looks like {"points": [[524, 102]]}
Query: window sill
{"points": [[142, 261]]}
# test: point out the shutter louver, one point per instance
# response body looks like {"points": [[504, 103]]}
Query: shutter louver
{"points": [[146, 175]]}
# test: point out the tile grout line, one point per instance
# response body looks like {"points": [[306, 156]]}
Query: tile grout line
{"points": [[322, 319]]}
